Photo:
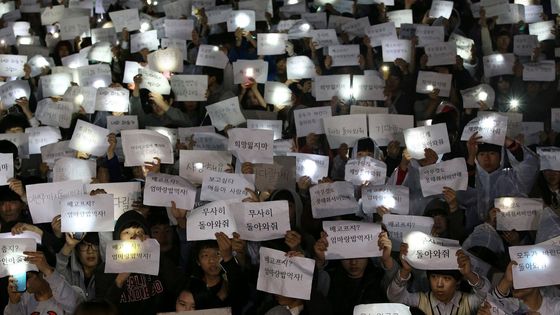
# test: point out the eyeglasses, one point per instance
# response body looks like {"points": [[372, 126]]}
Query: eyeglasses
{"points": [[86, 246]]}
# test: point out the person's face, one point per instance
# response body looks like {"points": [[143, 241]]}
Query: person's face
{"points": [[355, 268], [489, 161], [503, 42], [133, 233], [35, 282], [15, 130], [503, 86], [209, 260], [281, 66], [189, 106], [158, 111], [10, 210], [252, 98], [522, 294], [393, 83], [552, 177], [440, 224], [443, 287], [533, 88], [343, 150], [362, 154], [164, 235], [185, 302], [63, 51], [88, 254]]}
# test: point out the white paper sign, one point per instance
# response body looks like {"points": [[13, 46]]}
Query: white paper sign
{"points": [[492, 128], [13, 260], [444, 53], [75, 26], [524, 45], [12, 65], [277, 93], [352, 239], [345, 129], [6, 168], [358, 171], [104, 35], [451, 173], [441, 8], [225, 186], [161, 189], [535, 265], [189, 87], [332, 199], [52, 14], [344, 55], [480, 93], [367, 88], [543, 30], [126, 122], [514, 14], [204, 222], [274, 125], [428, 81], [194, 163], [88, 213], [20, 140], [310, 120], [533, 13], [210, 141], [493, 7], [211, 56], [154, 81], [244, 19], [89, 138], [53, 151], [428, 34], [261, 221], [141, 146], [251, 145], [81, 96], [225, 113], [179, 29], [555, 119], [166, 60], [244, 70], [133, 256], [400, 225], [112, 99], [128, 19], [324, 38], [312, 165], [464, 46], [516, 213], [396, 48], [531, 131], [148, 39], [55, 84], [384, 128], [543, 71], [379, 32], [44, 199], [300, 67], [357, 109], [176, 43], [434, 137], [130, 70], [75, 61], [57, 114], [400, 17], [270, 44], [67, 168], [423, 253], [382, 308], [286, 276], [40, 136], [395, 198], [549, 158], [124, 194]]}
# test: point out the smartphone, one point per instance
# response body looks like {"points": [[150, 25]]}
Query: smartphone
{"points": [[78, 235], [21, 281]]}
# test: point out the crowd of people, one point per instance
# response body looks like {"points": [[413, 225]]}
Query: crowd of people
{"points": [[70, 275]]}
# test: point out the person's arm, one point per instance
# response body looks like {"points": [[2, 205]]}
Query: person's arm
{"points": [[397, 292], [63, 293], [485, 35], [525, 164]]}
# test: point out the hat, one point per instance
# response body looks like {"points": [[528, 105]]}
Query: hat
{"points": [[366, 144], [129, 219]]}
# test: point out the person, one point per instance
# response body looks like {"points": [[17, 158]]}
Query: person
{"points": [[444, 297], [46, 291]]}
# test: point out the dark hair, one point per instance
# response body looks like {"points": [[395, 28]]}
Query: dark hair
{"points": [[96, 307], [157, 215], [13, 121], [453, 273], [7, 146], [214, 72]]}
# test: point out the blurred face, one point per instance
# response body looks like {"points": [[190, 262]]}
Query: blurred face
{"points": [[489, 161], [185, 302], [209, 260], [281, 66], [502, 43], [15, 130], [164, 235], [443, 287], [63, 51], [252, 98], [355, 268], [189, 106], [35, 282], [10, 210], [440, 224], [362, 154], [158, 111], [533, 88], [503, 86], [522, 294], [88, 254], [552, 178], [133, 233]]}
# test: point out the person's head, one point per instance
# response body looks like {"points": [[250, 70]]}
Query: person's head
{"points": [[7, 147], [533, 88], [131, 225], [524, 294], [11, 206], [13, 123], [287, 301], [97, 307], [438, 209], [208, 258], [185, 301], [160, 228], [250, 99], [489, 156], [502, 84], [281, 65], [394, 78], [355, 267], [88, 251], [444, 283], [552, 177], [63, 48], [503, 40], [190, 106], [36, 283], [365, 147], [215, 76]]}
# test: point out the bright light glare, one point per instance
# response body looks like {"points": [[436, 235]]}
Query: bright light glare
{"points": [[145, 26], [365, 176], [430, 87], [487, 123], [198, 165], [388, 200], [305, 27], [415, 240], [499, 58], [215, 48], [242, 20], [292, 2], [98, 83], [127, 248], [514, 103], [507, 202], [482, 96], [79, 99], [25, 40], [541, 260], [385, 68], [309, 168], [249, 72], [2, 42]]}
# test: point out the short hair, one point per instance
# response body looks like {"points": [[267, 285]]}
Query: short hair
{"points": [[214, 72], [13, 121]]}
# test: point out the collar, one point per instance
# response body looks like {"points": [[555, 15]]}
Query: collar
{"points": [[456, 300]]}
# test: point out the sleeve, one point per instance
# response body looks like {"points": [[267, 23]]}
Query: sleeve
{"points": [[63, 293], [136, 109], [486, 41], [397, 292], [105, 286], [114, 167], [526, 170], [62, 266], [34, 122], [238, 288], [18, 308]]}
